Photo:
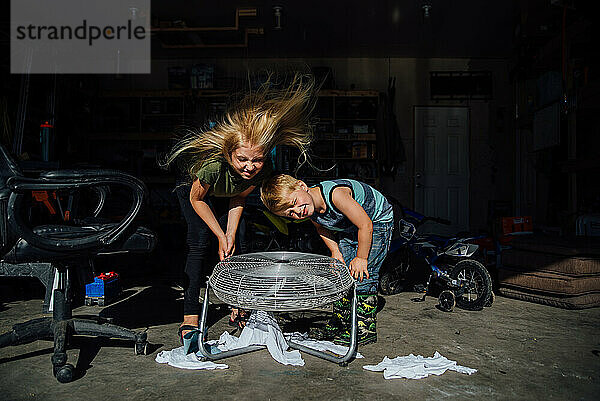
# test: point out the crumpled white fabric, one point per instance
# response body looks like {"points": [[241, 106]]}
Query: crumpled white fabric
{"points": [[178, 359], [319, 345], [417, 367], [261, 329]]}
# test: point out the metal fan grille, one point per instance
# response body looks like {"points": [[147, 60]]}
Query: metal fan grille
{"points": [[280, 281]]}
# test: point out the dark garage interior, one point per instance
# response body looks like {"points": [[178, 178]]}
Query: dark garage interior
{"points": [[474, 119]]}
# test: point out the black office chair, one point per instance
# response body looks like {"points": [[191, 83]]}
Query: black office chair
{"points": [[54, 252]]}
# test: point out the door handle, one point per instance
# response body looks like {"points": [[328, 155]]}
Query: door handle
{"points": [[418, 185], [418, 175]]}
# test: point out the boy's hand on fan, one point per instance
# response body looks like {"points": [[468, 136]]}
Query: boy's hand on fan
{"points": [[358, 268]]}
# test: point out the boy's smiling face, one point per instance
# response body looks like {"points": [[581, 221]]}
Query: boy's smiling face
{"points": [[301, 204]]}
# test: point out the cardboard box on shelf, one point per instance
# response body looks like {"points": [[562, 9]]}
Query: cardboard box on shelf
{"points": [[513, 225], [359, 150]]}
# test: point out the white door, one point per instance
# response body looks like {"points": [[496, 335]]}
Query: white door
{"points": [[442, 165]]}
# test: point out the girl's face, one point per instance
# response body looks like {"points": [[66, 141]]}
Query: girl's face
{"points": [[247, 160]]}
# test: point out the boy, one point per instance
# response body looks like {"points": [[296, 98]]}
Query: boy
{"points": [[355, 221]]}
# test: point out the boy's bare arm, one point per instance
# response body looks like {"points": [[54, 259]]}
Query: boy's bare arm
{"points": [[342, 199], [345, 203], [329, 240]]}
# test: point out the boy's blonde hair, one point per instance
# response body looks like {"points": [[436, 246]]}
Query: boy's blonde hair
{"points": [[265, 118], [274, 191]]}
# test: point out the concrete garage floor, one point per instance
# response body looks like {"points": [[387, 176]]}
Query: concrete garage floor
{"points": [[522, 351]]}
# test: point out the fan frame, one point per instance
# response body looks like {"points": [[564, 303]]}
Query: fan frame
{"points": [[343, 360]]}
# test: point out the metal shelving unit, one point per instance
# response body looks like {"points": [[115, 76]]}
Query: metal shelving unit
{"points": [[345, 130]]}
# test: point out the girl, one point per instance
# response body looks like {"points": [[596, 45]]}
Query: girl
{"points": [[227, 162]]}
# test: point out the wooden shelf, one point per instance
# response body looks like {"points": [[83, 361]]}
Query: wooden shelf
{"points": [[370, 138], [223, 92], [342, 158], [163, 115], [147, 93], [354, 159], [342, 93], [131, 136], [356, 119], [165, 93], [337, 143]]}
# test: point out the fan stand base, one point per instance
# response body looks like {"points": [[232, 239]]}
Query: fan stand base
{"points": [[342, 360]]}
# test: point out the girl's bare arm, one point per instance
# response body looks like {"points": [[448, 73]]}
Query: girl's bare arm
{"points": [[236, 208], [197, 193]]}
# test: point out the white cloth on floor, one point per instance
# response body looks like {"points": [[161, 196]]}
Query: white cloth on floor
{"points": [[177, 358], [417, 367], [261, 329], [319, 345]]}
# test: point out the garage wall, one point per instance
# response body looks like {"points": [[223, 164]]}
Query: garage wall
{"points": [[492, 137]]}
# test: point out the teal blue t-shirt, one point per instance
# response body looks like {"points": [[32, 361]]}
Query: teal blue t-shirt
{"points": [[372, 201]]}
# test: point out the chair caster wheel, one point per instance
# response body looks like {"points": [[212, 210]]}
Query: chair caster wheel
{"points": [[343, 364], [447, 301], [64, 374], [141, 348]]}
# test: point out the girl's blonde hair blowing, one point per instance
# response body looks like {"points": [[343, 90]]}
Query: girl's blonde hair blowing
{"points": [[265, 118]]}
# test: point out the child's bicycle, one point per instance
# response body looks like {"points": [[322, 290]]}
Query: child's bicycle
{"points": [[464, 281]]}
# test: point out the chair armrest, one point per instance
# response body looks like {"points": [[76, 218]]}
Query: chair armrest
{"points": [[102, 192], [20, 186], [85, 173], [80, 173]]}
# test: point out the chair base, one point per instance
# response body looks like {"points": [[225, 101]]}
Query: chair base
{"points": [[42, 271], [61, 327], [342, 360]]}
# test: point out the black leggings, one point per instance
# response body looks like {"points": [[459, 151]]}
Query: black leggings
{"points": [[201, 252]]}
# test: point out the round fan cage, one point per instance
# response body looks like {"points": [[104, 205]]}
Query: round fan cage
{"points": [[280, 281]]}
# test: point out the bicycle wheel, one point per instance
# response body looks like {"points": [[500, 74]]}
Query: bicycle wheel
{"points": [[477, 281], [390, 283]]}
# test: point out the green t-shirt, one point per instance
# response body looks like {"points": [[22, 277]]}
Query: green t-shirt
{"points": [[225, 182]]}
